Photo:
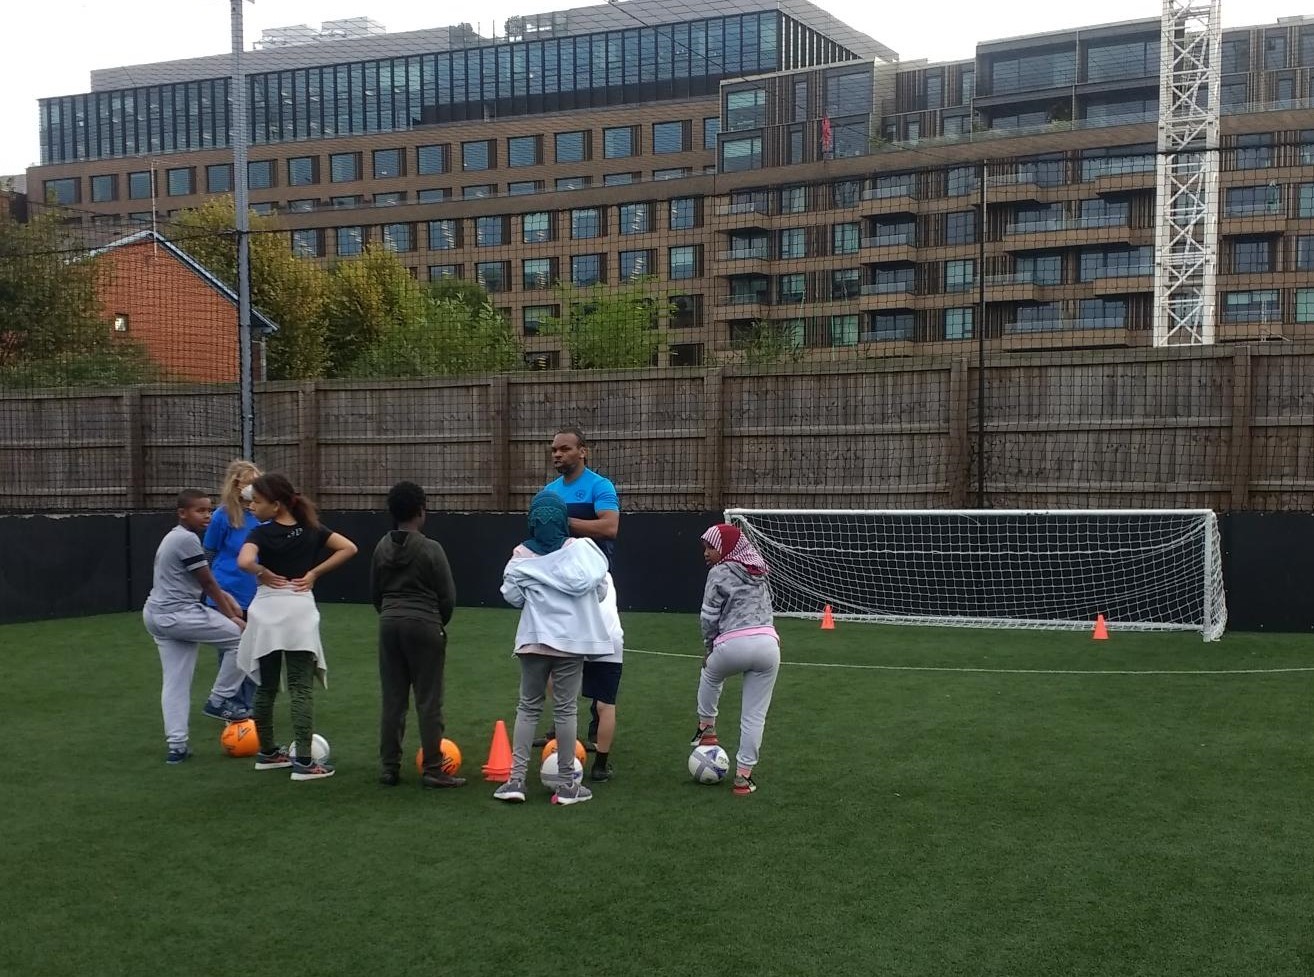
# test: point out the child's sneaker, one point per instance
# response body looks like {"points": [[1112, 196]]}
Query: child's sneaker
{"points": [[572, 794], [277, 760], [314, 770], [513, 792], [177, 754], [545, 739], [744, 785], [226, 711], [602, 772], [704, 736]]}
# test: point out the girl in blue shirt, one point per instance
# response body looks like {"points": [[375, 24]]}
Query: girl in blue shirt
{"points": [[223, 541]]}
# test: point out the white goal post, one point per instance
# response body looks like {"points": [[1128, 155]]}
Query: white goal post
{"points": [[1143, 569]]}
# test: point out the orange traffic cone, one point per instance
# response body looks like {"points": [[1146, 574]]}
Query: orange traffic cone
{"points": [[827, 619], [1101, 632], [498, 767]]}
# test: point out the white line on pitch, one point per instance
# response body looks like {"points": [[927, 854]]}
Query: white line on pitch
{"points": [[1014, 671]]}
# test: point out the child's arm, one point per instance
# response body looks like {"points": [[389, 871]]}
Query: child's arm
{"points": [[248, 560], [214, 535], [442, 583], [709, 619], [512, 592], [222, 599], [340, 550], [376, 582]]}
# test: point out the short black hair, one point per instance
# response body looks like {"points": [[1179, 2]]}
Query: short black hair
{"points": [[579, 435], [405, 501], [189, 497]]}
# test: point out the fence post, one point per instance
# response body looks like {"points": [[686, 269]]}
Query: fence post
{"points": [[714, 439], [1241, 417], [499, 417], [135, 449], [308, 437], [960, 452]]}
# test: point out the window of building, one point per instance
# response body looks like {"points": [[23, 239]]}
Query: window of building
{"points": [[963, 180], [122, 322], [349, 202], [536, 228], [433, 195], [848, 93], [1102, 313], [794, 200], [351, 240], [745, 109], [1261, 305], [793, 242], [1041, 268], [219, 178], [958, 323], [308, 242], [387, 164], [791, 289], [959, 275], [478, 191], [684, 311], [1252, 201], [960, 227], [1251, 255], [1112, 60], [535, 315], [845, 283], [891, 326], [1305, 305], [1305, 200], [181, 181], [845, 193], [537, 273], [104, 188], [390, 199], [64, 191], [1275, 50], [684, 213], [572, 147], [139, 185], [438, 272], [444, 235], [671, 173], [260, 174], [262, 209], [1305, 253], [1253, 151], [670, 137], [619, 179], [1236, 55], [1105, 212], [301, 206], [585, 223], [1033, 72], [430, 160], [490, 231], [844, 330], [1116, 262], [711, 129], [524, 150], [618, 142], [477, 155], [572, 182], [934, 91], [585, 270], [634, 218], [683, 262], [741, 154], [344, 167], [492, 276], [301, 171], [521, 187], [635, 265], [845, 238]]}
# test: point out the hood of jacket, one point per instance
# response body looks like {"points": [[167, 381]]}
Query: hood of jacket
{"points": [[401, 548], [576, 568]]}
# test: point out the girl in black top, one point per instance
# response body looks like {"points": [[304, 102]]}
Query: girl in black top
{"points": [[283, 620]]}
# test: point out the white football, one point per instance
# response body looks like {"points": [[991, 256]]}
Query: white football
{"points": [[708, 764], [550, 776], [319, 749]]}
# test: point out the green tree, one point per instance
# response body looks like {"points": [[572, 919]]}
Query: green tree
{"points": [[449, 339], [470, 293], [770, 344], [53, 331], [610, 329], [369, 296], [286, 289]]}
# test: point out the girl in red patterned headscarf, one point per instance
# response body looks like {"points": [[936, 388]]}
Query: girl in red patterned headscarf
{"points": [[740, 639]]}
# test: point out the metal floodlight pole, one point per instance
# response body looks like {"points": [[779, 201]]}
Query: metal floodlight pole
{"points": [[238, 128]]}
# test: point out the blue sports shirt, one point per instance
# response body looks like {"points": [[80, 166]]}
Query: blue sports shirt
{"points": [[225, 541], [587, 496]]}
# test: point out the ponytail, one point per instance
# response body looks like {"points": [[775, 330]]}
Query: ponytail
{"points": [[278, 488], [304, 511]]}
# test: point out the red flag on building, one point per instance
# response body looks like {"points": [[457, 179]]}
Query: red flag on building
{"points": [[827, 137]]}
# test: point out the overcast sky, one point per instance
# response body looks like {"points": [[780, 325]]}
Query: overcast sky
{"points": [[51, 45]]}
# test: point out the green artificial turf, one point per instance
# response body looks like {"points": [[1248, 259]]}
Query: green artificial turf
{"points": [[911, 820]]}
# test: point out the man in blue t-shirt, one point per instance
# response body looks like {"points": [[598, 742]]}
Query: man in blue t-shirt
{"points": [[594, 511]]}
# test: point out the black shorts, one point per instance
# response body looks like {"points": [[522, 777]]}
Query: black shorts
{"points": [[601, 681]]}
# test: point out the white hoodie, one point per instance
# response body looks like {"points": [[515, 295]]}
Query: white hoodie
{"points": [[560, 597]]}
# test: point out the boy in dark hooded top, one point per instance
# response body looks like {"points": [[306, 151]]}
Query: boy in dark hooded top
{"points": [[412, 588]]}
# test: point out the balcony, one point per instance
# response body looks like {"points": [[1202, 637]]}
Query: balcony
{"points": [[743, 208], [887, 288], [899, 246], [1062, 325], [757, 252], [743, 305], [1067, 231]]}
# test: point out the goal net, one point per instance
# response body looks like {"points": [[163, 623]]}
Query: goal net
{"points": [[1143, 569]]}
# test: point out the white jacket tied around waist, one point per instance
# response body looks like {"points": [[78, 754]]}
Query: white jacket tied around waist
{"points": [[560, 597]]}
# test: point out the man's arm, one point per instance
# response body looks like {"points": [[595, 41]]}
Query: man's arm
{"points": [[606, 526]]}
